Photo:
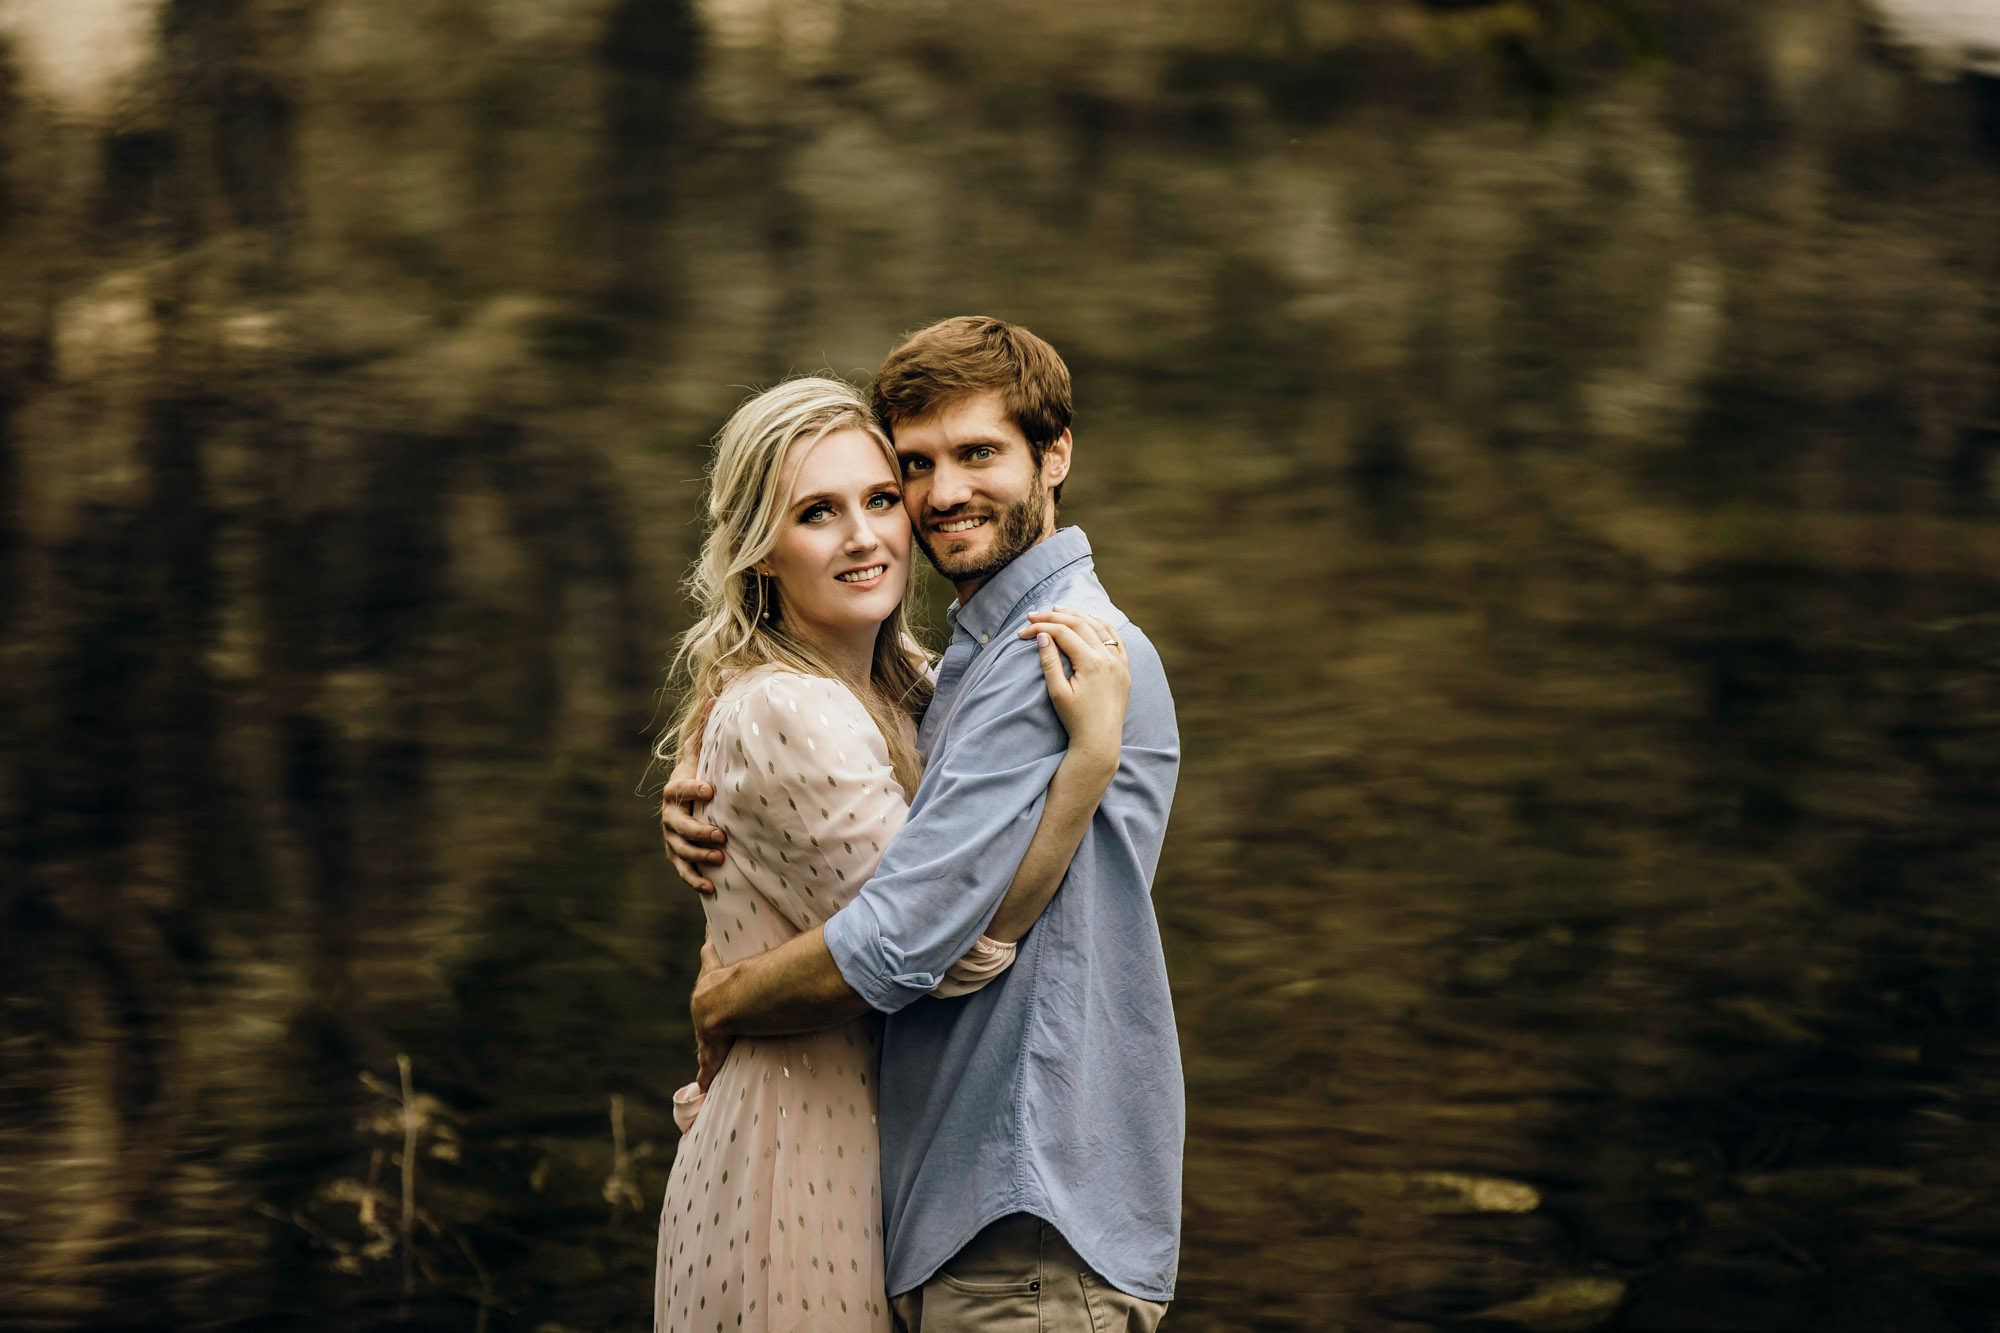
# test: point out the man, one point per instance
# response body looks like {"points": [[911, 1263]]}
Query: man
{"points": [[1032, 1131]]}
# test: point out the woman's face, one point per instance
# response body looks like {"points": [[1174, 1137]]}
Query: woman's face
{"points": [[842, 557]]}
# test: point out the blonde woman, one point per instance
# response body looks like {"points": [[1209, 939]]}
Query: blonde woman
{"points": [[772, 1218]]}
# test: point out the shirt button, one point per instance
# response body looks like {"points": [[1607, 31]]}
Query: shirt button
{"points": [[1034, 1286], [982, 638]]}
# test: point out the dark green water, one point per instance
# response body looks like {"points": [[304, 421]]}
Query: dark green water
{"points": [[1553, 445]]}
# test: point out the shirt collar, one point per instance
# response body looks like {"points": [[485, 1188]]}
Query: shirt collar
{"points": [[993, 605]]}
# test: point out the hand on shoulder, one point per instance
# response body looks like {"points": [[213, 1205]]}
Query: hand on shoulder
{"points": [[1091, 697]]}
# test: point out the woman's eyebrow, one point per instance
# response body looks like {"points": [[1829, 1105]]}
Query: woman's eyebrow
{"points": [[834, 496]]}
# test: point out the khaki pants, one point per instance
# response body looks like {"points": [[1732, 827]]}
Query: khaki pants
{"points": [[1020, 1276]]}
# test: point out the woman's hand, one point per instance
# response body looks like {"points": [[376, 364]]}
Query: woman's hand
{"points": [[1090, 702]]}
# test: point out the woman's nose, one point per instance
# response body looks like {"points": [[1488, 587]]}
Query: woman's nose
{"points": [[860, 535]]}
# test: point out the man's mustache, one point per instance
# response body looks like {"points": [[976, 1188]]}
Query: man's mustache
{"points": [[954, 515]]}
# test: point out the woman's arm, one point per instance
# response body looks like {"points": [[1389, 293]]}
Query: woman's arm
{"points": [[1091, 704]]}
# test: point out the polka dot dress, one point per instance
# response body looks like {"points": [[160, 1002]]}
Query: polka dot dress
{"points": [[773, 1211]]}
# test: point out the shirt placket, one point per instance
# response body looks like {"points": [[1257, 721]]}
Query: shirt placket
{"points": [[957, 657]]}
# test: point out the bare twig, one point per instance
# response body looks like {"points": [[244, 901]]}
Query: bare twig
{"points": [[409, 1179], [621, 1187], [486, 1301]]}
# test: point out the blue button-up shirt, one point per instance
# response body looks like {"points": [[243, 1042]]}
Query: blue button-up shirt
{"points": [[1056, 1090]]}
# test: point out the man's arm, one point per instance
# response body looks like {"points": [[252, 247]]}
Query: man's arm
{"points": [[974, 816], [792, 988], [797, 987], [1090, 701]]}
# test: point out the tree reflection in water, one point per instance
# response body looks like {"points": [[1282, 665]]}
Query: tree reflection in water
{"points": [[1553, 445]]}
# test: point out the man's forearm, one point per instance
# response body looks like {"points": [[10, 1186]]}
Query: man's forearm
{"points": [[792, 988]]}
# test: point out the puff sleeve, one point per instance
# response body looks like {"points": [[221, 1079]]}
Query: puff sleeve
{"points": [[806, 762]]}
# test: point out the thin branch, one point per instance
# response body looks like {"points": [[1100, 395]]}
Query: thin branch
{"points": [[409, 1179]]}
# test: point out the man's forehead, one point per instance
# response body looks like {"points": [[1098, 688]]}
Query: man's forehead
{"points": [[980, 416]]}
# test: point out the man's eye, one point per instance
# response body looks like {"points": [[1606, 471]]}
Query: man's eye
{"points": [[980, 454], [914, 465]]}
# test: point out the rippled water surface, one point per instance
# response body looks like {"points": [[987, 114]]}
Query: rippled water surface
{"points": [[1552, 443]]}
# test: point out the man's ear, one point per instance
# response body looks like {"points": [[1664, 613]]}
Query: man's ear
{"points": [[1055, 460]]}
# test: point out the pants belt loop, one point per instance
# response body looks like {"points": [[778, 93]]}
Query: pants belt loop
{"points": [[1042, 1229]]}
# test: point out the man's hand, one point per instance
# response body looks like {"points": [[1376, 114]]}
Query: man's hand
{"points": [[711, 1048], [693, 844]]}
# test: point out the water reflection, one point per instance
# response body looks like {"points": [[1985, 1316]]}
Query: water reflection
{"points": [[1552, 445]]}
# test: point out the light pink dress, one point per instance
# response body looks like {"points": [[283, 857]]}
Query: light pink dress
{"points": [[772, 1220]]}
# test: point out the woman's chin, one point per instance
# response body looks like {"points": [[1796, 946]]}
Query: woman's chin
{"points": [[881, 603], [862, 611], [885, 597]]}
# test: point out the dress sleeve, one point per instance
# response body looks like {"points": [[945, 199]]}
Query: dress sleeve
{"points": [[810, 769], [826, 802], [985, 960]]}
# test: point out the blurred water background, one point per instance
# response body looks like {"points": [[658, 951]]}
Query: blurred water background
{"points": [[1552, 443]]}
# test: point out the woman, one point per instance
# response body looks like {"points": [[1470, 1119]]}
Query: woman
{"points": [[772, 1214]]}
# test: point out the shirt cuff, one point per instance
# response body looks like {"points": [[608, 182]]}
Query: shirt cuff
{"points": [[872, 965]]}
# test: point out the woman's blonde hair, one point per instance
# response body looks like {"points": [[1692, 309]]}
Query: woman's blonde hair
{"points": [[740, 622]]}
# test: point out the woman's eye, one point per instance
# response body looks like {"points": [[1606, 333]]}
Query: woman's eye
{"points": [[883, 499], [816, 513]]}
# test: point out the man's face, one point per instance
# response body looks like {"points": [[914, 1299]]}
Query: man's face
{"points": [[975, 494]]}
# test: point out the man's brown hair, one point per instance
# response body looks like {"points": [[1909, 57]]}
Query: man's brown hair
{"points": [[963, 357]]}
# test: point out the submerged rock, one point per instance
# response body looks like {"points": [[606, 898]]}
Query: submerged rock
{"points": [[1439, 1192], [1566, 1305]]}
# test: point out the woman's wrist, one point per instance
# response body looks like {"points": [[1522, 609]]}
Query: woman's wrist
{"points": [[1095, 760]]}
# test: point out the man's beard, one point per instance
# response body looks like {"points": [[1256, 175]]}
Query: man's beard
{"points": [[1016, 528]]}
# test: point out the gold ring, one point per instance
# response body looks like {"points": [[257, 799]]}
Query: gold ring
{"points": [[1113, 643]]}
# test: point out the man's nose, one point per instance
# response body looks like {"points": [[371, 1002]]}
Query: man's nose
{"points": [[949, 488]]}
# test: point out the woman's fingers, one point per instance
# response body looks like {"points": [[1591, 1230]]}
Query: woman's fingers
{"points": [[1051, 622], [1058, 616], [1101, 631], [1052, 668], [1083, 653], [1098, 629]]}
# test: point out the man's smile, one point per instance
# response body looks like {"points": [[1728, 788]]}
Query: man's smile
{"points": [[960, 524]]}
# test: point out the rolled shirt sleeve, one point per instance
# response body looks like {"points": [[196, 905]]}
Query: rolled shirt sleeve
{"points": [[943, 877]]}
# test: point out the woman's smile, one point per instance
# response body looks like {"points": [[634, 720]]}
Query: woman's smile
{"points": [[866, 577]]}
